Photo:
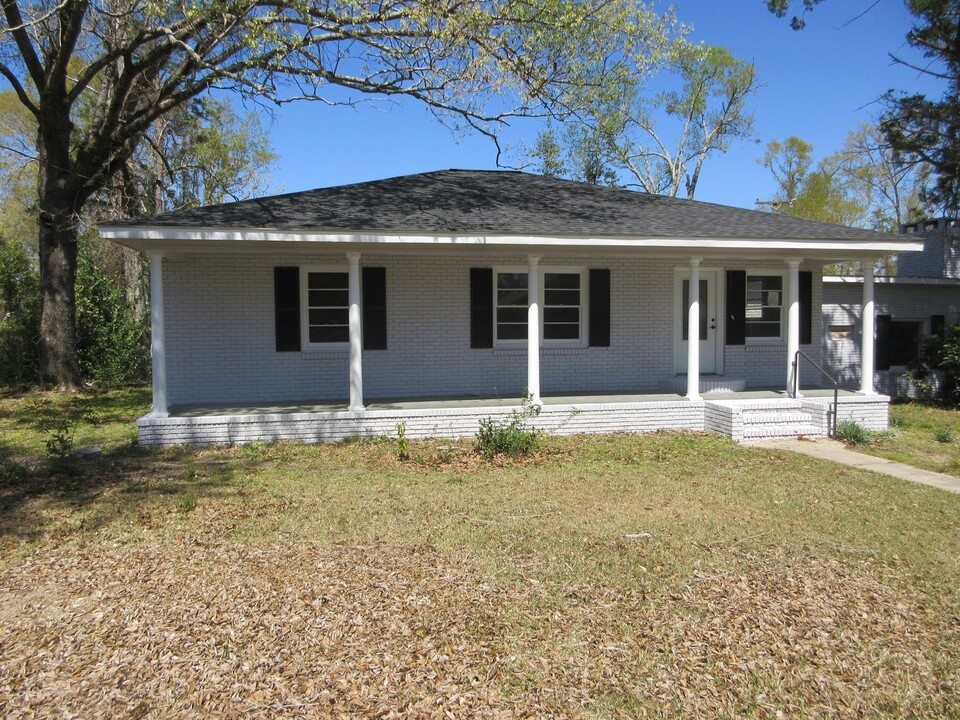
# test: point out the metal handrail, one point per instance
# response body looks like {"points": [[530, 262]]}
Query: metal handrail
{"points": [[836, 385]]}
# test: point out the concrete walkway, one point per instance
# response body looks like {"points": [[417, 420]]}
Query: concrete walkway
{"points": [[838, 452]]}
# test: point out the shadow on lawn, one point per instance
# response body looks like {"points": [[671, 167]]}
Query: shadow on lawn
{"points": [[50, 496]]}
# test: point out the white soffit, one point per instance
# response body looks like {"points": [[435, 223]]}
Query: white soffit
{"points": [[157, 237]]}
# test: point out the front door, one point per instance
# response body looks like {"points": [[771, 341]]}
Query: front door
{"points": [[708, 321]]}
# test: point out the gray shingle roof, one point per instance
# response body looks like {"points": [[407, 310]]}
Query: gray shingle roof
{"points": [[482, 202]]}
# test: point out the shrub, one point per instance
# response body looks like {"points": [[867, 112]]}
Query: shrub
{"points": [[112, 343], [19, 315], [944, 435], [403, 445], [852, 433], [510, 437]]}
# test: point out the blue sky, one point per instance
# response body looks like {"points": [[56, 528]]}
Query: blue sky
{"points": [[819, 83]]}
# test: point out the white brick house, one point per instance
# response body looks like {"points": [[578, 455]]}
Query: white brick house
{"points": [[438, 299]]}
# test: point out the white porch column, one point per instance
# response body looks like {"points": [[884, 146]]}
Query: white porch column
{"points": [[793, 321], [158, 348], [693, 331], [356, 334], [866, 331], [533, 328]]}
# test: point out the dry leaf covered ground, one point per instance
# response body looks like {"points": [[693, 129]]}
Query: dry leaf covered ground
{"points": [[660, 576]]}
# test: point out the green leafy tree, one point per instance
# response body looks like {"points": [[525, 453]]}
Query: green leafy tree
{"points": [[548, 154], [823, 193], [825, 197], [128, 64], [789, 162]]}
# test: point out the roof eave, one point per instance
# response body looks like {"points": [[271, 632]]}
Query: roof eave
{"points": [[153, 237]]}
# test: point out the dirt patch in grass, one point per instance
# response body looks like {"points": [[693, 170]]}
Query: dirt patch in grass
{"points": [[224, 630]]}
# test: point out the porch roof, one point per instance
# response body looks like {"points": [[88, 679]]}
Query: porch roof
{"points": [[499, 209]]}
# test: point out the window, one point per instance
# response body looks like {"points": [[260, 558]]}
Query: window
{"points": [[327, 307], [511, 316], [561, 301], [904, 341], [764, 311], [561, 306]]}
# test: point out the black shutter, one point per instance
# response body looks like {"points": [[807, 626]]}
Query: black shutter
{"points": [[736, 307], [806, 307], [938, 326], [481, 307], [286, 301], [883, 341], [599, 308], [374, 303]]}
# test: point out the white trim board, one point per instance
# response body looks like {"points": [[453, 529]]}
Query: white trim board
{"points": [[145, 236], [891, 280]]}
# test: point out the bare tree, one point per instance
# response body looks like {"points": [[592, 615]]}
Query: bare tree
{"points": [[662, 142]]}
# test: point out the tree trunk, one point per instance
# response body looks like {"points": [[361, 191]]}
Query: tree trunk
{"points": [[58, 307], [59, 226]]}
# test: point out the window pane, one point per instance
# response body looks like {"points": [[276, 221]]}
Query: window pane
{"points": [[763, 329], [329, 334], [511, 331], [561, 331], [327, 280], [561, 297], [561, 314], [511, 280], [512, 315], [512, 297], [560, 281], [685, 301], [904, 341], [328, 298], [330, 316]]}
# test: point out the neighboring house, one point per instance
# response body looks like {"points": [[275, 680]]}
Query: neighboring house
{"points": [[436, 300], [923, 298]]}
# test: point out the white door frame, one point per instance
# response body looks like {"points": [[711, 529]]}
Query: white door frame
{"points": [[710, 362]]}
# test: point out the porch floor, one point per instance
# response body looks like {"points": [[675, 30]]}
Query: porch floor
{"points": [[472, 401]]}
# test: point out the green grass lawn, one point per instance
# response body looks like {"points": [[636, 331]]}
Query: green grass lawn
{"points": [[670, 575], [922, 434]]}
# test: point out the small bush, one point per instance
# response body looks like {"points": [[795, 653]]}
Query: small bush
{"points": [[513, 437], [898, 421], [944, 435], [403, 445], [852, 433]]}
